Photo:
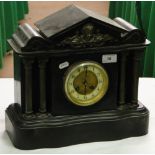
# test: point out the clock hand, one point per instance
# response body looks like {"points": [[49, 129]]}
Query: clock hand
{"points": [[85, 81], [91, 87]]}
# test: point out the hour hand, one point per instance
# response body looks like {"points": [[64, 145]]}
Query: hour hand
{"points": [[91, 87]]}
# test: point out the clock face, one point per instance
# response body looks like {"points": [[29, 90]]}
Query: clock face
{"points": [[85, 83]]}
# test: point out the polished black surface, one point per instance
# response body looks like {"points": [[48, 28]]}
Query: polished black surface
{"points": [[74, 35], [50, 131]]}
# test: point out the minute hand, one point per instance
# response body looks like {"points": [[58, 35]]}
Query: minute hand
{"points": [[85, 81]]}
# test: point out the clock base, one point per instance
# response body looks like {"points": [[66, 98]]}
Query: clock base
{"points": [[47, 131]]}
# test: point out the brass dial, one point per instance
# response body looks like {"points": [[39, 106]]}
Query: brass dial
{"points": [[85, 83]]}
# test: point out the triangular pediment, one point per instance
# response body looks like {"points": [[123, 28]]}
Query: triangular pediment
{"points": [[75, 27], [70, 16]]}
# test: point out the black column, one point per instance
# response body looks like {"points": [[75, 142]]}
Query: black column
{"points": [[136, 57], [42, 83], [122, 79], [28, 86]]}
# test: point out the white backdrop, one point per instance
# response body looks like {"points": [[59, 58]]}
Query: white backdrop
{"points": [[143, 144]]}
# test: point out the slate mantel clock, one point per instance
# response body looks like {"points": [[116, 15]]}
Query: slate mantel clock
{"points": [[76, 81]]}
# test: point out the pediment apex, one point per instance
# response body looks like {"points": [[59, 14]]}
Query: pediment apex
{"points": [[69, 17]]}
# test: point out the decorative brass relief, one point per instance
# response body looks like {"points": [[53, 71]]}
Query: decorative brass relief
{"points": [[88, 36]]}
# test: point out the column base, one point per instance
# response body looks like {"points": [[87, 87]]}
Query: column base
{"points": [[58, 131]]}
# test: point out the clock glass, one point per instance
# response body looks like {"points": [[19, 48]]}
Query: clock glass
{"points": [[86, 83]]}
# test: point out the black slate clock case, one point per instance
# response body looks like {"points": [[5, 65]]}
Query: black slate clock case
{"points": [[74, 35]]}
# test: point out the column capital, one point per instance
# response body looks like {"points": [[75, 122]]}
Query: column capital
{"points": [[42, 63], [28, 63]]}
